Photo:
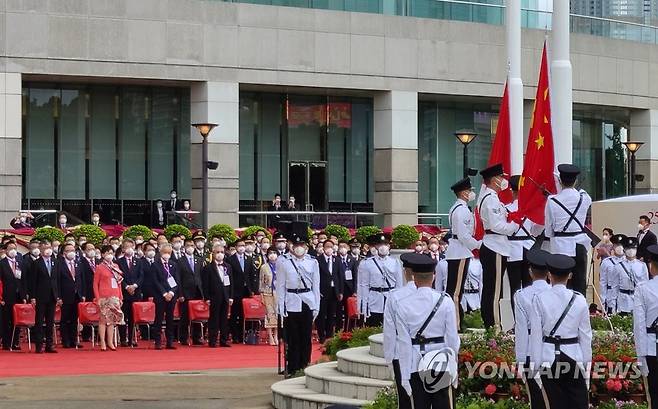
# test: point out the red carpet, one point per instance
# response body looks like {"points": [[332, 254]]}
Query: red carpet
{"points": [[141, 359]]}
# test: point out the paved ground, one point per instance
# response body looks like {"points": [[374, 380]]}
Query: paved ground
{"points": [[234, 388]]}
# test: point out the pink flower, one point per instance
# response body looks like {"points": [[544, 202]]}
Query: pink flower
{"points": [[490, 389]]}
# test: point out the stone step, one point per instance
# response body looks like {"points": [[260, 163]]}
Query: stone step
{"points": [[325, 378], [293, 394], [377, 345], [359, 362]]}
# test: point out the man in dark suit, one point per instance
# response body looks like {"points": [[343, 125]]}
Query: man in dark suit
{"points": [[190, 267], [166, 284], [242, 268], [276, 206], [131, 286], [174, 203], [71, 287], [331, 291], [348, 266], [645, 237], [159, 218], [217, 288], [44, 293], [13, 292], [87, 265], [148, 274]]}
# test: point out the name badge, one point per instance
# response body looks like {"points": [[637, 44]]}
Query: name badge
{"points": [[227, 280], [171, 282], [348, 274], [113, 283]]}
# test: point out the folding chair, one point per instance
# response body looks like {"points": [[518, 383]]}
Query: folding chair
{"points": [[89, 314], [352, 313], [24, 317], [143, 314], [198, 312], [254, 310], [57, 323]]}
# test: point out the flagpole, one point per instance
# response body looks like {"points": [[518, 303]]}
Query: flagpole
{"points": [[561, 84], [513, 25]]}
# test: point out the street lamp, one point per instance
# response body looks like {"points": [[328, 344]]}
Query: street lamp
{"points": [[204, 129], [466, 136], [632, 147]]}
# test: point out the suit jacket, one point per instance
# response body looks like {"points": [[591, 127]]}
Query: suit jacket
{"points": [[132, 274], [70, 290], [245, 280], [160, 276], [648, 239], [213, 288], [191, 280], [13, 290], [43, 286], [178, 204], [155, 218], [327, 277], [148, 278], [349, 286], [87, 272]]}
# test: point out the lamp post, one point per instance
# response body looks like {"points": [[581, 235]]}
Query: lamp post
{"points": [[204, 129], [632, 147], [466, 136]]}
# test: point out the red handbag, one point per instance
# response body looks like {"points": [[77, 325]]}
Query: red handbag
{"points": [[58, 314], [253, 309], [24, 315], [89, 313], [198, 310], [144, 312], [352, 311], [177, 311]]}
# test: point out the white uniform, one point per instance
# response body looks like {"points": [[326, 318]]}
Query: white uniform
{"points": [[608, 276], [412, 313], [628, 274], [549, 306], [564, 235], [472, 286], [524, 314], [306, 276], [390, 315], [645, 313], [496, 226], [377, 276], [462, 223], [441, 275], [528, 230]]}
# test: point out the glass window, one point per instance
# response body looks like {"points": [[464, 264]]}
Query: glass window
{"points": [[249, 127], [102, 141], [182, 118], [161, 143], [135, 106], [71, 173], [40, 143], [269, 146], [306, 118]]}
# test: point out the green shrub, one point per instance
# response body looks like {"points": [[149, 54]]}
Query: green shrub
{"points": [[174, 229], [404, 236], [473, 319], [343, 340], [138, 230], [49, 233], [364, 232], [94, 234], [620, 323], [223, 230], [252, 230], [342, 232], [386, 398]]}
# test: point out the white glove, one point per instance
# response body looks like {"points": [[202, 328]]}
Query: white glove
{"points": [[315, 314], [642, 363], [407, 387]]}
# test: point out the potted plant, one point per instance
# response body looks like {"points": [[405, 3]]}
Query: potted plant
{"points": [[404, 236], [138, 230], [48, 233], [363, 232], [173, 229], [342, 232], [252, 230], [94, 234], [222, 230]]}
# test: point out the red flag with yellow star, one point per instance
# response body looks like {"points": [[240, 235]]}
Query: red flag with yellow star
{"points": [[537, 177]]}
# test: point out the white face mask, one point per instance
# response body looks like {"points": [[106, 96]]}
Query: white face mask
{"points": [[264, 246], [606, 238], [62, 220], [222, 243], [23, 219], [70, 255], [108, 257], [299, 251], [250, 248], [503, 184], [419, 249], [240, 249], [630, 253], [173, 195], [640, 226], [373, 251], [159, 205], [383, 250], [329, 252], [11, 253], [48, 252], [342, 251], [619, 251], [115, 247], [97, 253], [434, 247], [271, 257], [139, 241], [150, 253], [186, 206], [280, 245], [95, 219], [356, 251], [35, 252], [471, 196], [200, 245], [129, 252], [55, 249], [219, 257], [189, 250], [177, 245], [91, 253], [165, 257]]}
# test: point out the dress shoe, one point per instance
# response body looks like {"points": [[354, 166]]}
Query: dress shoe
{"points": [[51, 351], [212, 345], [158, 347], [38, 351], [7, 348], [225, 345], [197, 342], [79, 346], [170, 347], [67, 346], [134, 344], [16, 347], [124, 344]]}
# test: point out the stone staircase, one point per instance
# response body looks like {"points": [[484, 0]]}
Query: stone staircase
{"points": [[354, 379]]}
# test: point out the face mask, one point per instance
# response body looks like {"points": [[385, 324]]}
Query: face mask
{"points": [[419, 249], [91, 253], [115, 247], [356, 251], [95, 219], [186, 206], [619, 251], [280, 246], [631, 253], [219, 257], [640, 226], [173, 195], [48, 252], [177, 245], [606, 238], [200, 245], [139, 241], [471, 196], [265, 246], [299, 251], [150, 253], [503, 184], [81, 242], [259, 238], [222, 243], [329, 252], [250, 248], [159, 205], [342, 251], [373, 251], [23, 219], [35, 252], [272, 257], [434, 247], [189, 250], [383, 250], [139, 254], [240, 249], [55, 249], [62, 221], [97, 253], [129, 252], [108, 257], [11, 253], [70, 255], [165, 257]]}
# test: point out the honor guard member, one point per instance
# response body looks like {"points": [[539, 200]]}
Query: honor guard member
{"points": [[628, 273], [473, 287], [298, 282], [280, 243], [427, 328], [200, 247], [355, 249], [524, 315], [378, 276], [645, 328], [561, 338], [520, 242], [495, 247], [441, 274], [608, 274], [390, 329], [462, 243], [565, 224]]}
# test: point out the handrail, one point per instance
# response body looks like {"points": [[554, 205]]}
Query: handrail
{"points": [[302, 212]]}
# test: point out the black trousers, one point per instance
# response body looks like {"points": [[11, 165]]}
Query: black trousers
{"points": [[404, 402], [578, 281], [457, 273], [534, 392], [518, 276], [68, 326], [376, 319], [325, 323], [45, 315], [236, 320], [127, 308], [567, 389], [443, 399], [184, 325], [341, 309], [217, 322], [493, 266], [651, 382], [8, 326], [298, 327], [164, 310]]}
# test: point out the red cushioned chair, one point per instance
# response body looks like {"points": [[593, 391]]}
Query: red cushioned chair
{"points": [[198, 312], [24, 317], [89, 313], [352, 312], [57, 322], [143, 314], [253, 310]]}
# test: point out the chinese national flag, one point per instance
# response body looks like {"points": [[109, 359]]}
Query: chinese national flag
{"points": [[539, 164]]}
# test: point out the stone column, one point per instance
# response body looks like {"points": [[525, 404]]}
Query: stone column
{"points": [[644, 128], [396, 157], [10, 146], [217, 102]]}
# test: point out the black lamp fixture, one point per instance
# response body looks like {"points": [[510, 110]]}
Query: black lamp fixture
{"points": [[205, 129], [466, 136], [632, 147]]}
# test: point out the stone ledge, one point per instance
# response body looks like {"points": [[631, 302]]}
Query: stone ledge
{"points": [[293, 394], [377, 345], [325, 378], [359, 362]]}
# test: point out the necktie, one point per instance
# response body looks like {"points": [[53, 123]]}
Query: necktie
{"points": [[13, 265], [48, 265], [166, 267], [72, 270], [241, 258], [191, 261], [92, 263]]}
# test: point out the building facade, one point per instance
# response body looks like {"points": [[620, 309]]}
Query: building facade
{"points": [[350, 106]]}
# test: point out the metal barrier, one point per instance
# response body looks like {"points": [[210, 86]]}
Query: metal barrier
{"points": [[316, 220]]}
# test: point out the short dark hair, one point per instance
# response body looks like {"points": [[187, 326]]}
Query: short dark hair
{"points": [[608, 230], [86, 245], [645, 218], [148, 244], [188, 241], [67, 245], [106, 248], [277, 195]]}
